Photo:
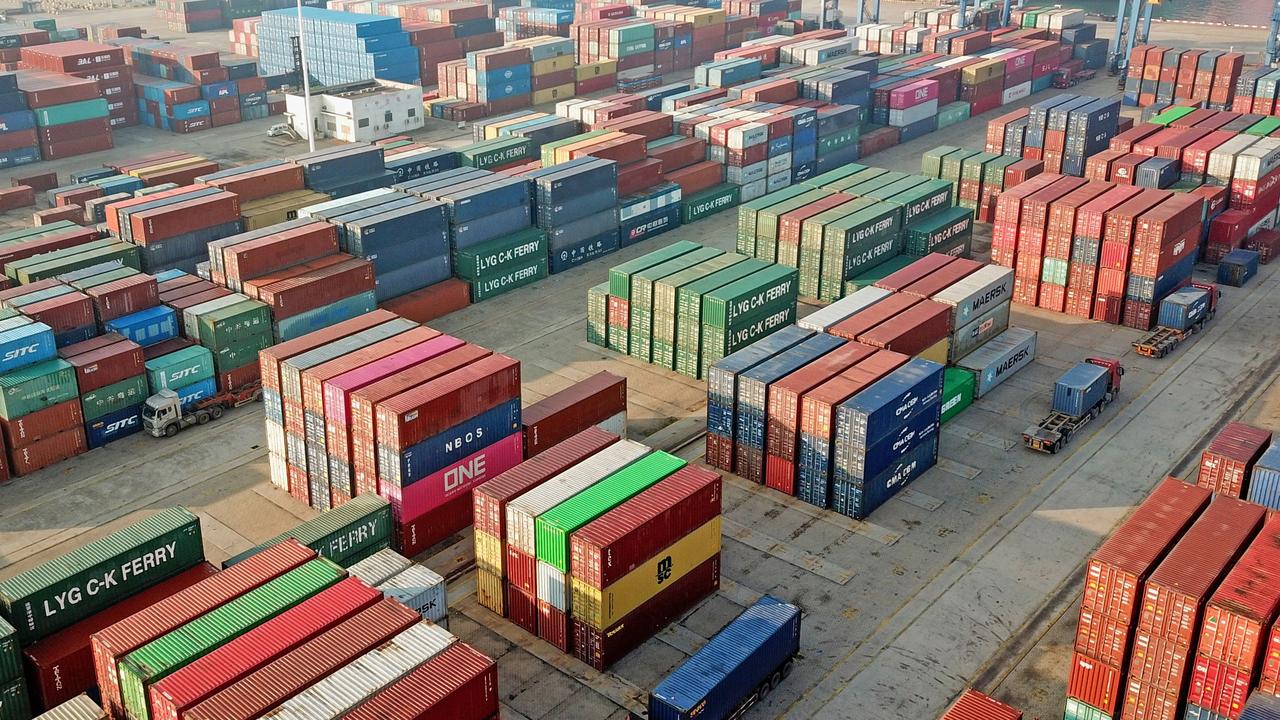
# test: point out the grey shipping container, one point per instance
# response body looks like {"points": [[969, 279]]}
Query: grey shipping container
{"points": [[1000, 358]]}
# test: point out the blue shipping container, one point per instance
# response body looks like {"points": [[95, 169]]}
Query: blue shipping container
{"points": [[1237, 267], [888, 404], [1183, 308], [26, 345], [717, 679], [437, 452], [858, 499], [113, 426], [1261, 707], [568, 255], [753, 385], [722, 379], [1080, 388], [1264, 483], [188, 395], [322, 317]]}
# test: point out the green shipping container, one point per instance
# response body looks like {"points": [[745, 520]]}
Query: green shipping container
{"points": [[767, 221], [953, 164], [14, 703], [554, 526], [937, 230], [103, 278], [719, 342], [10, 654], [832, 176], [1264, 127], [641, 324], [182, 367], [1054, 271], [39, 296], [191, 315], [931, 161], [808, 255], [71, 587], [620, 275], [923, 200], [177, 649], [495, 153], [508, 280], [709, 202], [36, 387], [689, 312], [957, 392], [345, 535], [845, 137], [860, 178], [116, 396], [1167, 117], [749, 212], [1077, 710], [952, 113], [859, 241], [993, 173], [241, 351], [495, 257], [875, 273], [666, 304], [598, 314], [548, 150], [225, 326], [35, 231], [760, 293], [41, 267], [71, 112]]}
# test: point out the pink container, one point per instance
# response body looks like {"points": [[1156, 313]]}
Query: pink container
{"points": [[913, 94], [457, 479]]}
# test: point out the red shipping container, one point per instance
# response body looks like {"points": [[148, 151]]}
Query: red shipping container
{"points": [[16, 197], [124, 296], [790, 224], [78, 146], [38, 182], [240, 377], [522, 609], [915, 272], [1159, 661], [1226, 464], [104, 360], [63, 313], [555, 418], [29, 428], [424, 411], [52, 215], [1244, 605], [697, 177], [312, 394], [912, 331], [939, 280], [156, 224], [615, 543], [15, 139], [255, 184], [459, 683], [60, 134], [141, 628], [1116, 572], [637, 176], [973, 705], [882, 138], [1149, 702], [1095, 683], [315, 288], [602, 648], [60, 666], [853, 327], [1219, 687], [681, 153], [272, 684], [431, 302], [1101, 637], [77, 196], [174, 694], [46, 452], [554, 626]]}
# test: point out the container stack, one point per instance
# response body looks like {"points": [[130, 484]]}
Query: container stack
{"points": [[978, 178], [1063, 131], [561, 553], [18, 135], [39, 389], [80, 255], [599, 400], [382, 46], [534, 18], [1129, 249], [536, 71], [337, 403], [538, 127], [69, 313], [172, 228], [71, 117], [1227, 464], [187, 89], [686, 306], [1117, 576], [1165, 75], [345, 170], [95, 61], [54, 651], [577, 209], [232, 328], [840, 224]]}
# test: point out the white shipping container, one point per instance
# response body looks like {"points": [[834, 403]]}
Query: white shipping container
{"points": [[748, 174], [1222, 159], [753, 190], [777, 181], [1016, 93], [907, 116], [564, 108], [551, 586], [275, 438], [1066, 18], [843, 309], [279, 470], [975, 294], [718, 154], [79, 707], [1258, 159], [309, 210], [379, 567], [915, 38], [779, 163], [422, 590], [525, 509], [337, 694], [748, 135], [616, 424]]}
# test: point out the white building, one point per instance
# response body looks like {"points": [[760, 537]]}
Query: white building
{"points": [[358, 113]]}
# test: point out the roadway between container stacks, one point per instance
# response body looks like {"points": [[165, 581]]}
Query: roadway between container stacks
{"points": [[944, 636]]}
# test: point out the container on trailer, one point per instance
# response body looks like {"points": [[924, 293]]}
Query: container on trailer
{"points": [[131, 560], [1079, 389], [728, 669], [1183, 308]]}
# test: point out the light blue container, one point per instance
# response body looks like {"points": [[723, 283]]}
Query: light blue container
{"points": [[1264, 483], [147, 327]]}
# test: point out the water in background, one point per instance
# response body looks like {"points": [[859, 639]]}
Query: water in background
{"points": [[1242, 12]]}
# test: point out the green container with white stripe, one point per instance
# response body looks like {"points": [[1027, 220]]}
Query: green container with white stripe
{"points": [[36, 387], [709, 202], [116, 396], [492, 258], [179, 368], [532, 270]]}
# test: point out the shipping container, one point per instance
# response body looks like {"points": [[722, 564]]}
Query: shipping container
{"points": [[555, 418], [421, 590], [1000, 358], [345, 535], [1244, 605], [973, 705], [1226, 464], [459, 683]]}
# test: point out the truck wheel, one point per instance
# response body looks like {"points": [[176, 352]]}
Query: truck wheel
{"points": [[787, 668], [202, 418], [170, 431], [216, 411], [763, 691], [775, 679]]}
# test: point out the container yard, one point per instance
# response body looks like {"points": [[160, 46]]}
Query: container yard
{"points": [[683, 361]]}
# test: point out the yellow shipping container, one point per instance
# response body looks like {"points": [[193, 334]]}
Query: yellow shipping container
{"points": [[489, 592], [596, 69], [146, 172], [488, 552], [979, 73], [602, 608], [276, 209], [552, 94], [937, 352], [494, 131], [555, 64], [563, 154]]}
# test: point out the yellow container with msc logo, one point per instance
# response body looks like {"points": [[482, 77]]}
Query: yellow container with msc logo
{"points": [[602, 608]]}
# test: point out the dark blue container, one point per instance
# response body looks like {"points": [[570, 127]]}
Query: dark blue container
{"points": [[653, 98], [1059, 115], [551, 214], [780, 146], [579, 230], [75, 335], [1237, 267], [803, 153], [1079, 34], [1080, 388], [503, 222], [889, 403], [858, 499], [196, 391], [20, 156], [12, 102], [717, 679], [1038, 118], [419, 229], [380, 179], [643, 227], [803, 171], [218, 90], [547, 130], [179, 250], [439, 451], [420, 165], [21, 120], [863, 463], [1261, 707], [1152, 290], [1015, 134], [753, 385], [567, 255], [474, 203], [834, 118], [113, 426], [1157, 173], [335, 165], [146, 327], [392, 282], [837, 158], [917, 129], [8, 81], [1183, 308], [455, 175]]}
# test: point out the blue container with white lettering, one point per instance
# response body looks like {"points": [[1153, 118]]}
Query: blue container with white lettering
{"points": [[567, 255], [859, 498], [643, 227], [298, 325], [113, 426], [888, 404], [422, 164], [722, 378], [147, 327], [26, 345], [189, 395], [438, 452]]}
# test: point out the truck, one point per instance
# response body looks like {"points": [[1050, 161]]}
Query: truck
{"points": [[1079, 396], [1182, 314], [167, 412], [736, 669]]}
